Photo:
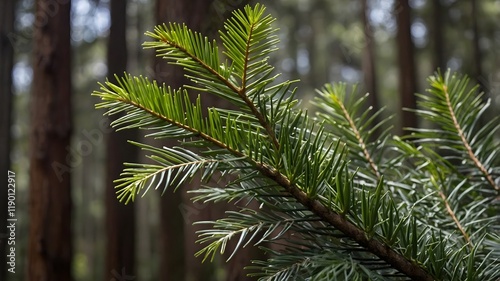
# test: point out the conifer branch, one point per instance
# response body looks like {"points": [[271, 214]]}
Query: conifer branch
{"points": [[466, 144], [221, 78], [297, 170], [383, 251], [360, 140], [200, 134], [242, 93], [455, 219], [338, 221]]}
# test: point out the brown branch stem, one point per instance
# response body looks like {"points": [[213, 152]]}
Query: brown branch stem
{"points": [[381, 250], [249, 103], [465, 142], [241, 91], [454, 217], [360, 140]]}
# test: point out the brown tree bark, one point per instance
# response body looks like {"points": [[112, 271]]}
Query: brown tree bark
{"points": [[7, 11], [477, 55], [120, 218], [173, 256], [50, 238], [177, 212], [406, 64], [368, 60], [438, 14]]}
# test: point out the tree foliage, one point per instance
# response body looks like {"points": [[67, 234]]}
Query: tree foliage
{"points": [[339, 201]]}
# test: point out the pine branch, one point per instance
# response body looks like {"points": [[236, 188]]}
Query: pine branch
{"points": [[360, 140], [455, 219], [465, 142], [169, 43], [312, 184], [252, 26], [378, 248], [342, 112], [248, 40], [457, 111]]}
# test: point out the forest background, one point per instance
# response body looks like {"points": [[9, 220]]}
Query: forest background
{"points": [[388, 47]]}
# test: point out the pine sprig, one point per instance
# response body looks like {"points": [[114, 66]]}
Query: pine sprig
{"points": [[457, 110], [174, 166], [354, 211], [250, 32], [248, 40], [354, 125], [246, 225]]}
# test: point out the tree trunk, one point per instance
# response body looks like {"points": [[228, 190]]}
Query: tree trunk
{"points": [[177, 212], [51, 157], [477, 56], [7, 9], [172, 234], [407, 80], [120, 218], [174, 257], [368, 60], [438, 14]]}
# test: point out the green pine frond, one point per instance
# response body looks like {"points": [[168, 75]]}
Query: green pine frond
{"points": [[198, 56], [353, 122], [451, 169], [173, 167], [248, 40], [247, 226], [171, 114], [303, 263], [338, 197], [457, 109], [246, 80]]}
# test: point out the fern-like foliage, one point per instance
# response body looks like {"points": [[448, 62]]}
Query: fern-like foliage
{"points": [[337, 200]]}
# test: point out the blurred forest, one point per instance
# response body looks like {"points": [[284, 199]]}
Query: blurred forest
{"points": [[388, 47]]}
